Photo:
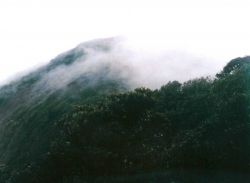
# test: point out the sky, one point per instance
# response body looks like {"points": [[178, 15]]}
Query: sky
{"points": [[32, 32]]}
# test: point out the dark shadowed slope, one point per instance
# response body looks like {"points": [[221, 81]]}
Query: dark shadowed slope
{"points": [[30, 106], [77, 120]]}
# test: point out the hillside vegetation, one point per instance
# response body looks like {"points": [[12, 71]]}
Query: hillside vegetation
{"points": [[94, 132]]}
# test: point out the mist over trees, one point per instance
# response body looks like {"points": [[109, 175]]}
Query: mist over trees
{"points": [[201, 124]]}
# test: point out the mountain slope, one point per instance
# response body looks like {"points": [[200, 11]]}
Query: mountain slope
{"points": [[30, 106], [77, 119]]}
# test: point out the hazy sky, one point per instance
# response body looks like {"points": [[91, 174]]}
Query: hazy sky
{"points": [[34, 31]]}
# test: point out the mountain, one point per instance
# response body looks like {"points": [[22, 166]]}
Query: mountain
{"points": [[79, 119], [30, 105]]}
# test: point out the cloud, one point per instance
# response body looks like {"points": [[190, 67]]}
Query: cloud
{"points": [[114, 59]]}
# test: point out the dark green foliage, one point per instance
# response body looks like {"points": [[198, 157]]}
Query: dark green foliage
{"points": [[103, 132], [201, 124], [234, 65]]}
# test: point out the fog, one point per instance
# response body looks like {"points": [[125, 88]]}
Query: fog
{"points": [[33, 32], [138, 67]]}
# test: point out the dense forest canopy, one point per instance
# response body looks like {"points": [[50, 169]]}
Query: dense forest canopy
{"points": [[106, 131]]}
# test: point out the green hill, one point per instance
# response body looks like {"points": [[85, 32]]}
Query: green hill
{"points": [[73, 121]]}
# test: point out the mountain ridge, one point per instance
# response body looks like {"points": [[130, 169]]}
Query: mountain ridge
{"points": [[80, 116]]}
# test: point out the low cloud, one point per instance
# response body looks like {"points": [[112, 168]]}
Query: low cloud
{"points": [[115, 60]]}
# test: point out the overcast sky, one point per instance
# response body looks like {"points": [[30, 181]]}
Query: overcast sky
{"points": [[34, 31]]}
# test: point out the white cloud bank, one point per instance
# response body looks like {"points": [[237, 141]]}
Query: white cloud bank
{"points": [[136, 66], [34, 31]]}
